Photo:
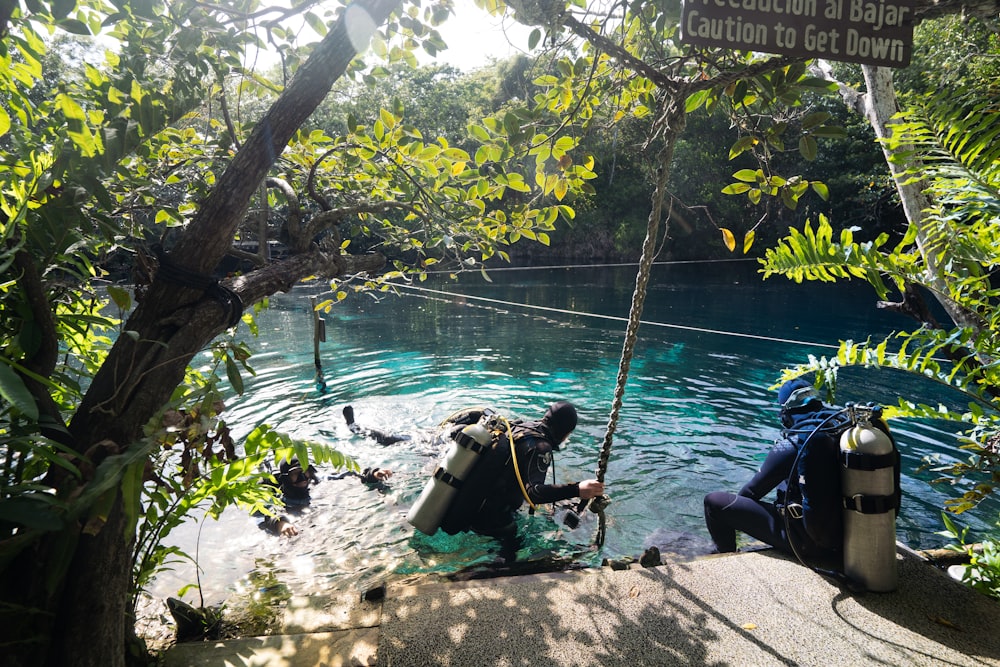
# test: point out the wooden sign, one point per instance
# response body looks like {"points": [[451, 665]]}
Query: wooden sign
{"points": [[870, 32]]}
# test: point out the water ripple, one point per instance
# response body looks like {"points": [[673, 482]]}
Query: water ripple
{"points": [[697, 416]]}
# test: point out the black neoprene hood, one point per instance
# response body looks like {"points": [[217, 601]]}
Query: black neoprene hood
{"points": [[560, 419]]}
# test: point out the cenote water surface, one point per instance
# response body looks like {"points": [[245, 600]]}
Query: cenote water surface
{"points": [[697, 413]]}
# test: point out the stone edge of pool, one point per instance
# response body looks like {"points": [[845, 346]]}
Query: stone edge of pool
{"points": [[753, 608]]}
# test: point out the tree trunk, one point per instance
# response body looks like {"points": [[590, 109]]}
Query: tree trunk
{"points": [[880, 106], [89, 620]]}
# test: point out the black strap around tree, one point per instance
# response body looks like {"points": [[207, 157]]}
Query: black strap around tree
{"points": [[170, 272]]}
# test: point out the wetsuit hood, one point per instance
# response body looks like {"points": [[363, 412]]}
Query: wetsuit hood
{"points": [[796, 393], [797, 397], [559, 421]]}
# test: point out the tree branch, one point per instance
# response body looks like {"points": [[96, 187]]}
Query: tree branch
{"points": [[253, 257], [210, 232], [44, 359], [282, 276], [165, 332], [932, 9]]}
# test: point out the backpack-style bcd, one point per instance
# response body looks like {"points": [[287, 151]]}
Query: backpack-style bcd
{"points": [[843, 493]]}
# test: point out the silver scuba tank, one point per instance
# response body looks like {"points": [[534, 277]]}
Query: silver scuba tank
{"points": [[467, 447], [869, 489]]}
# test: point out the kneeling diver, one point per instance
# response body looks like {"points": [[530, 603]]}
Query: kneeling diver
{"points": [[534, 442]]}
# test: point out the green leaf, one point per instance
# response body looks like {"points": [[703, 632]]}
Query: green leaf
{"points": [[301, 452], [814, 119], [387, 118], [316, 24], [121, 296], [131, 495], [74, 26], [14, 391], [168, 217], [789, 199], [817, 84], [60, 8], [233, 373], [695, 100], [34, 512], [808, 147], [534, 38], [742, 145], [479, 132], [829, 132], [735, 188]]}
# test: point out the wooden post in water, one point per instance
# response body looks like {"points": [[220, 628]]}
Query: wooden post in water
{"points": [[316, 334], [319, 335]]}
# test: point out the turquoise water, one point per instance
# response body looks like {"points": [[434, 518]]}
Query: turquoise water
{"points": [[697, 414]]}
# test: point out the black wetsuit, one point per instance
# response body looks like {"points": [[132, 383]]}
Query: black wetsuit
{"points": [[726, 513], [533, 447], [296, 497]]}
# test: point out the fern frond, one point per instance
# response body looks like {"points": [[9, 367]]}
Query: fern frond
{"points": [[927, 353], [814, 255], [955, 135]]}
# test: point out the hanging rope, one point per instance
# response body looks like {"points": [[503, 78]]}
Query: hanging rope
{"points": [[673, 123]]}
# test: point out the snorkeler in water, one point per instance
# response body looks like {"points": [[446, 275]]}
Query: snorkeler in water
{"points": [[380, 437], [295, 482]]}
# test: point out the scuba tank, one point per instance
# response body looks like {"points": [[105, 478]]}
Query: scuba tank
{"points": [[467, 447], [870, 489]]}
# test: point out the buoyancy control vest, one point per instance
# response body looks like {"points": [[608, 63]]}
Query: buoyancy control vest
{"points": [[843, 493], [812, 494], [471, 472]]}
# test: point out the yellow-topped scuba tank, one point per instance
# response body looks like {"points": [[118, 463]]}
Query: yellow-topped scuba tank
{"points": [[870, 488], [468, 444]]}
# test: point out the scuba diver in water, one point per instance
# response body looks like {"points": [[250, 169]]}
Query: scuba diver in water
{"points": [[294, 483], [492, 466], [380, 437], [524, 479]]}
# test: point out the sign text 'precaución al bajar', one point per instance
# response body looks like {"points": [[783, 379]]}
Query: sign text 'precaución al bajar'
{"points": [[873, 32]]}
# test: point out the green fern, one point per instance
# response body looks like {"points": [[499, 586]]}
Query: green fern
{"points": [[955, 140], [814, 255], [951, 145]]}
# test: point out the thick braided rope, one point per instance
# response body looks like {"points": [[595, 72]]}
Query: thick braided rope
{"points": [[598, 505]]}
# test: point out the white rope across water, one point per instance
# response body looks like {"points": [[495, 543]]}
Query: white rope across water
{"points": [[603, 265], [614, 318]]}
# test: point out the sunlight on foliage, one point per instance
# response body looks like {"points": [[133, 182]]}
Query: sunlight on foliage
{"points": [[954, 141]]}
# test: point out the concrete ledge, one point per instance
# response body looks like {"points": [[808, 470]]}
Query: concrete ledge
{"points": [[757, 608], [745, 609], [342, 648], [321, 614]]}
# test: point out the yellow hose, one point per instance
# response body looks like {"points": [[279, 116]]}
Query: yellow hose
{"points": [[517, 470]]}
